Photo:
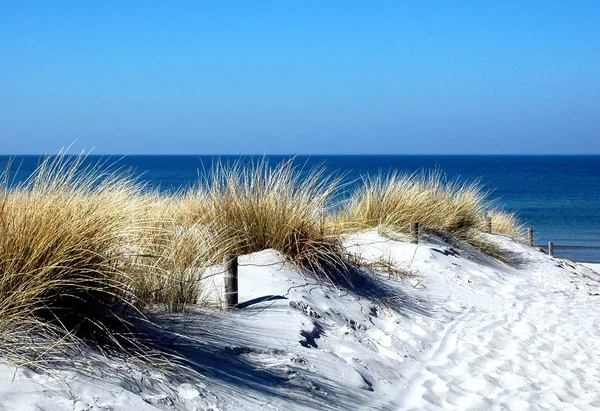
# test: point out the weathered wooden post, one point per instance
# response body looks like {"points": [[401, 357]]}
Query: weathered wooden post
{"points": [[550, 248], [489, 224], [530, 236], [230, 261], [414, 231]]}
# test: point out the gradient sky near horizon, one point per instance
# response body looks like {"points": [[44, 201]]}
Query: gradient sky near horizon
{"points": [[307, 77]]}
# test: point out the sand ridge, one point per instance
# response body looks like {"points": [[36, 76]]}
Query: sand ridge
{"points": [[461, 331]]}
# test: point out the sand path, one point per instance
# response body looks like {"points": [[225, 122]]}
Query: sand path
{"points": [[539, 350]]}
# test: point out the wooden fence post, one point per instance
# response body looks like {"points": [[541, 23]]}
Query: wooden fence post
{"points": [[230, 261], [489, 224], [530, 236], [550, 248], [414, 231]]}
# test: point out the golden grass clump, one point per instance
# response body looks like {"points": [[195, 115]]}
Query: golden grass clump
{"points": [[249, 209], [396, 200], [82, 252], [172, 261], [64, 262], [504, 223]]}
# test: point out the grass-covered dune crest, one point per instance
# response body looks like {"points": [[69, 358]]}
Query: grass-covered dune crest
{"points": [[282, 207], [396, 200], [82, 249]]}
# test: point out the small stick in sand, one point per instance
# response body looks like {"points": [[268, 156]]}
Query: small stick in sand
{"points": [[414, 231], [230, 261]]}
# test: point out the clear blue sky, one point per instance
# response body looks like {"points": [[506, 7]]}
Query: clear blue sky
{"points": [[305, 77]]}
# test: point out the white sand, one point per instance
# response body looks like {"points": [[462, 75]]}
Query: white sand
{"points": [[595, 267], [462, 332]]}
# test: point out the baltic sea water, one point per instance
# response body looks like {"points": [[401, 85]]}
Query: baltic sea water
{"points": [[559, 196]]}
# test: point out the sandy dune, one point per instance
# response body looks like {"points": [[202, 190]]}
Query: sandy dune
{"points": [[459, 332]]}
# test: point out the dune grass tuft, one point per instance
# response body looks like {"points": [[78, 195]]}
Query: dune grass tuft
{"points": [[396, 200], [505, 223], [249, 209], [171, 264], [63, 236], [82, 252]]}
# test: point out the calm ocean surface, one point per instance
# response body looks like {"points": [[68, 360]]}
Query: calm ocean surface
{"points": [[557, 195]]}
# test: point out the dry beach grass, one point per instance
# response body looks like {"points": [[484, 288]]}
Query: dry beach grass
{"points": [[62, 251], [261, 207], [505, 223], [397, 200], [392, 202], [82, 253]]}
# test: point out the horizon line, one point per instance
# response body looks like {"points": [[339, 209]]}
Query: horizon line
{"points": [[91, 153]]}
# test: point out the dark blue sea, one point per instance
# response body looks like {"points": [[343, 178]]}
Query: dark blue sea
{"points": [[559, 196]]}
